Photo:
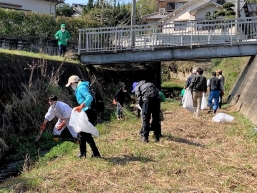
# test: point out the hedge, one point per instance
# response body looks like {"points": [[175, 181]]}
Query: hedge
{"points": [[26, 23]]}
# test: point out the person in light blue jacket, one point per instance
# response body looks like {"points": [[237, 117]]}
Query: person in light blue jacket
{"points": [[84, 98]]}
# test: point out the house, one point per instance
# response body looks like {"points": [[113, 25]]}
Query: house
{"points": [[171, 11], [39, 6], [181, 11], [78, 9]]}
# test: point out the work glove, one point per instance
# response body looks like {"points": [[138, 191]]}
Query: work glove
{"points": [[59, 127], [79, 108], [43, 126]]}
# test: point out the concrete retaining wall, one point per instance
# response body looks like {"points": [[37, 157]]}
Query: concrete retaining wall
{"points": [[244, 94]]}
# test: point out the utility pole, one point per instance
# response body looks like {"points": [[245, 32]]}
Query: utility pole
{"points": [[133, 22], [237, 15]]}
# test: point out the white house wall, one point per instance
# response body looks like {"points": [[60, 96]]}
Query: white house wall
{"points": [[202, 12], [184, 14], [38, 6]]}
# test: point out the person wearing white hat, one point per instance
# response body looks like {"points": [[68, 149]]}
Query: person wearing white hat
{"points": [[84, 98]]}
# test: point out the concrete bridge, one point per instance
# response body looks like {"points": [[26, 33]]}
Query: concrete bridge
{"points": [[176, 41]]}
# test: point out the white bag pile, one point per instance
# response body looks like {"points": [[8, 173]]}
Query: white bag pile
{"points": [[222, 118]]}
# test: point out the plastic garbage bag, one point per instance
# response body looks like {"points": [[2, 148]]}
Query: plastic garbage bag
{"points": [[188, 101], [79, 121], [222, 118], [204, 102]]}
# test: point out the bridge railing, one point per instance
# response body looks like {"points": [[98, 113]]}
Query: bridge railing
{"points": [[190, 33]]}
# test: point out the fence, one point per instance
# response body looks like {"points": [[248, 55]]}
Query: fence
{"points": [[145, 37]]}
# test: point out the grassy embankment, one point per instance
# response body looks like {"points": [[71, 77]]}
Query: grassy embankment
{"points": [[195, 155], [40, 55]]}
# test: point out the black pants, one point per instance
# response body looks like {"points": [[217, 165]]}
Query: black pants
{"points": [[62, 50], [84, 137], [151, 107]]}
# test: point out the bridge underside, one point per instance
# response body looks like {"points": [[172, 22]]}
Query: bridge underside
{"points": [[169, 54]]}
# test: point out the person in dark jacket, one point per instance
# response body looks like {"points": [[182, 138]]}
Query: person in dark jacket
{"points": [[216, 87], [119, 97], [199, 85], [148, 98], [190, 78], [84, 98], [222, 79]]}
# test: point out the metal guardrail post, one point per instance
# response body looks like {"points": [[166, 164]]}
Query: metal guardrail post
{"points": [[231, 32], [79, 43], [153, 40], [191, 46], [87, 47]]}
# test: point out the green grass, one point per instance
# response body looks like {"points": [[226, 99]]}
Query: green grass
{"points": [[38, 55], [231, 67], [225, 161]]}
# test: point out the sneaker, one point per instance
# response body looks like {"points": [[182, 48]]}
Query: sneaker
{"points": [[144, 140], [82, 155], [214, 111], [95, 156]]}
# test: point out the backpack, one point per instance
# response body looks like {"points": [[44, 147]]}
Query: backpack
{"points": [[148, 90], [97, 103]]}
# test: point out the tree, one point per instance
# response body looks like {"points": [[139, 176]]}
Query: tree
{"points": [[64, 9], [145, 7]]}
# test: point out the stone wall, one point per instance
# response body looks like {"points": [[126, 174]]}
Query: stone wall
{"points": [[244, 93], [15, 71]]}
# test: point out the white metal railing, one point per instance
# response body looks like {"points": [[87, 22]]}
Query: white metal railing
{"points": [[145, 37]]}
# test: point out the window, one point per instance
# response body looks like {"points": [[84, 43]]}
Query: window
{"points": [[180, 26], [170, 6]]}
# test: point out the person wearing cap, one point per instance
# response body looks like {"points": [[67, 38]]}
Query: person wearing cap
{"points": [[62, 111], [148, 98], [63, 36], [222, 79], [119, 97], [84, 98]]}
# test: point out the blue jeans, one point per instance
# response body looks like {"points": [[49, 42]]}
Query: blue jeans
{"points": [[119, 109], [214, 95]]}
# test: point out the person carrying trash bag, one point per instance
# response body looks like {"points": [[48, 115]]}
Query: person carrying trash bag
{"points": [[148, 98], [199, 86], [84, 98], [62, 111]]}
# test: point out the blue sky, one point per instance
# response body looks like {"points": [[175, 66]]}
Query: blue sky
{"points": [[83, 2]]}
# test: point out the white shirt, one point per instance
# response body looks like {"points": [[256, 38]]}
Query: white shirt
{"points": [[60, 110]]}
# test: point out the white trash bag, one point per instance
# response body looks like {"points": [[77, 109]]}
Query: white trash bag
{"points": [[79, 121], [204, 102], [188, 101], [222, 118]]}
